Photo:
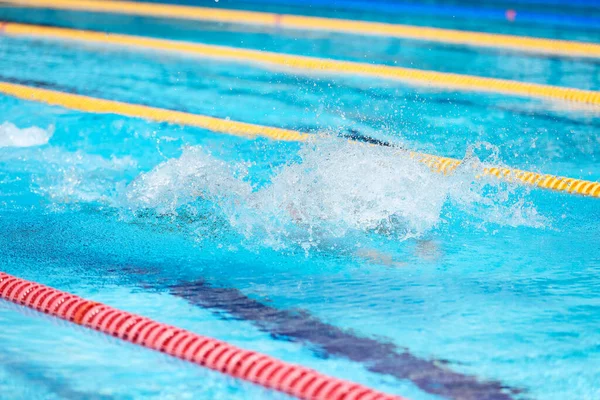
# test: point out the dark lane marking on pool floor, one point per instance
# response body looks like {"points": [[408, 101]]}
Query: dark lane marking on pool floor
{"points": [[37, 374], [378, 357], [298, 326]]}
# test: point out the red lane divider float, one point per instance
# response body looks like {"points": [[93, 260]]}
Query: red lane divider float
{"points": [[258, 368]]}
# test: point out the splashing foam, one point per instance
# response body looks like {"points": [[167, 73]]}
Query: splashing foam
{"points": [[11, 136], [72, 177], [338, 189], [78, 176]]}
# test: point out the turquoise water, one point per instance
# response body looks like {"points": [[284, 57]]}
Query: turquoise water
{"points": [[346, 258], [580, 73]]}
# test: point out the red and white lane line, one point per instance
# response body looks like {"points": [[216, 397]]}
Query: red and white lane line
{"points": [[261, 369]]}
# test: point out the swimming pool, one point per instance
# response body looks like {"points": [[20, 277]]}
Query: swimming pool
{"points": [[341, 256]]}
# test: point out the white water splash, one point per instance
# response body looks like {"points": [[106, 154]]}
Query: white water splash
{"points": [[176, 182], [339, 188], [73, 177], [12, 136]]}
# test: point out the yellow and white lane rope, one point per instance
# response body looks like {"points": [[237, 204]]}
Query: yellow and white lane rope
{"points": [[479, 39], [311, 64], [439, 164]]}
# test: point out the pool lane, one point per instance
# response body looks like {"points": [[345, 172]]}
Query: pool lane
{"points": [[79, 364], [137, 268], [432, 376], [441, 123], [423, 78], [578, 72], [327, 341], [456, 10], [379, 357], [443, 165], [211, 353], [299, 22]]}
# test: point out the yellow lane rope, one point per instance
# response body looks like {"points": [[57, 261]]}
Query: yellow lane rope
{"points": [[94, 105], [439, 164], [447, 165], [408, 75], [451, 36]]}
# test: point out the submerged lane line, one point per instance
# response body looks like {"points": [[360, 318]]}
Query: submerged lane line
{"points": [[443, 165], [377, 356], [408, 75], [451, 36], [261, 369]]}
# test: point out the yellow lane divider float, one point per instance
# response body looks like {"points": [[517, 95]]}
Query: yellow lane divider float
{"points": [[302, 63], [451, 36], [439, 164], [94, 105]]}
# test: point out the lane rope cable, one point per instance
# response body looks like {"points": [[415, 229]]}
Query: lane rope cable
{"points": [[408, 75], [261, 369], [564, 48], [439, 164]]}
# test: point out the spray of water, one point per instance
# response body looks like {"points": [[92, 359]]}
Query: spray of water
{"points": [[60, 175], [12, 136], [74, 177], [334, 195], [336, 190]]}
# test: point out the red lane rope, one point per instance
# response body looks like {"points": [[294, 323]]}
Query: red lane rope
{"points": [[248, 365]]}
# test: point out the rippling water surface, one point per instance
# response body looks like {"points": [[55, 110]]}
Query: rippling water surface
{"points": [[343, 256]]}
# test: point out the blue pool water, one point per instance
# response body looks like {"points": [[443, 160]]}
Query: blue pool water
{"points": [[342, 257]]}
